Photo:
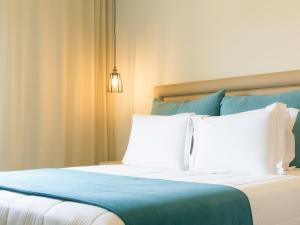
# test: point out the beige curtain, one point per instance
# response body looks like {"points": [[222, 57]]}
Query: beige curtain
{"points": [[53, 105]]}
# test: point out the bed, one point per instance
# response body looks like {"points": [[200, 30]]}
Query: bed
{"points": [[274, 199]]}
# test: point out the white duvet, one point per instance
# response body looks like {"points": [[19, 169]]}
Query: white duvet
{"points": [[275, 200]]}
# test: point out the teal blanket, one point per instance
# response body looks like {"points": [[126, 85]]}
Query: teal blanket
{"points": [[137, 201]]}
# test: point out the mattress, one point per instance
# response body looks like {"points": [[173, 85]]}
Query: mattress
{"points": [[274, 199]]}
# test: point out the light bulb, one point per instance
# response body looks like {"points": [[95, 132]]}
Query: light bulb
{"points": [[115, 81]]}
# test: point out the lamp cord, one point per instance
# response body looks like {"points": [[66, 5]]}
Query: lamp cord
{"points": [[114, 31]]}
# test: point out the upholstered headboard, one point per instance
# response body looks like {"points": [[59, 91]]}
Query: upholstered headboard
{"points": [[246, 85]]}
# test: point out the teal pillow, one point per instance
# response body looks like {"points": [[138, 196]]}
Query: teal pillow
{"points": [[209, 105], [236, 104]]}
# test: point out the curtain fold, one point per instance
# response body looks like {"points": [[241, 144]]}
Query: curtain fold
{"points": [[105, 110], [54, 110]]}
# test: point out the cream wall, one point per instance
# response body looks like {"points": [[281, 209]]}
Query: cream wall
{"points": [[170, 41]]}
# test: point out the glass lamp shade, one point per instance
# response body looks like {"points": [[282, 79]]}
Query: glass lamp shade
{"points": [[115, 84]]}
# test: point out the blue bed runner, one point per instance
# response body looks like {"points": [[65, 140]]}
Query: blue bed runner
{"points": [[137, 201]]}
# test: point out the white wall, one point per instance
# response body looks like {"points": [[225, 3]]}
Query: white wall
{"points": [[170, 41]]}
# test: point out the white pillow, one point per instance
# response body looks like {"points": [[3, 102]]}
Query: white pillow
{"points": [[291, 116], [160, 141], [239, 143], [281, 129], [286, 119]]}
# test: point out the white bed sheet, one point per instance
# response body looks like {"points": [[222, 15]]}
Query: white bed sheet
{"points": [[275, 200]]}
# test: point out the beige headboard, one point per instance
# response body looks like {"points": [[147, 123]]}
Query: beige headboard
{"points": [[270, 83]]}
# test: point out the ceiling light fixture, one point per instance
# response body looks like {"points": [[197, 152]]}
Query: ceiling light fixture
{"points": [[115, 84]]}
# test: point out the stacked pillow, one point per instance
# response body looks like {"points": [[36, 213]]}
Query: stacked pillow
{"points": [[256, 138], [237, 104], [249, 142], [209, 105], [164, 139]]}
